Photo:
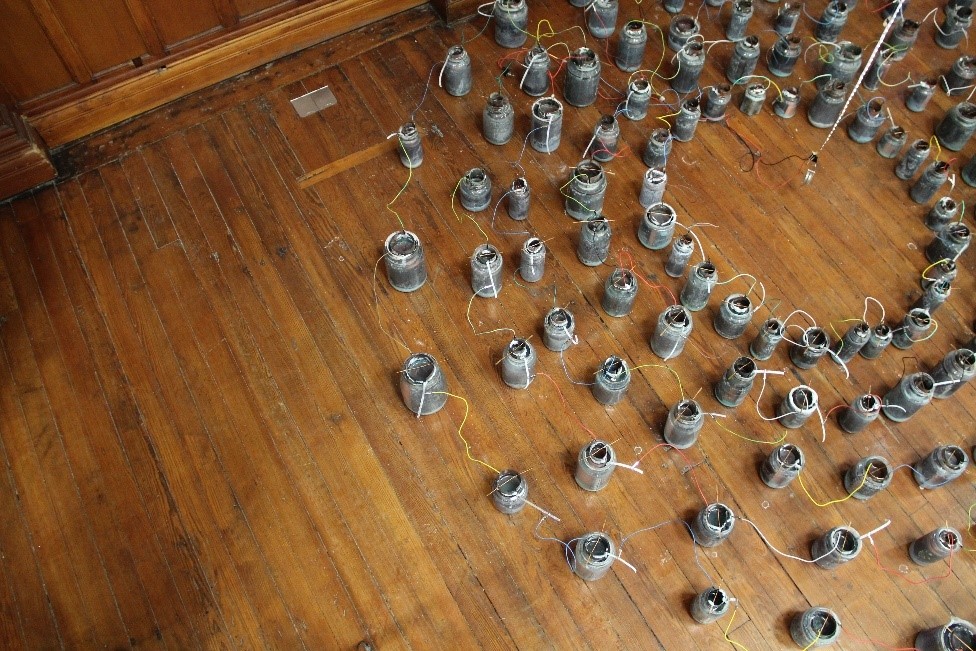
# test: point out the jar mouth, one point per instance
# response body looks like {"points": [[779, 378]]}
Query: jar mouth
{"points": [[692, 105], [519, 349], [882, 331], [804, 398], [419, 368], [677, 316], [967, 110], [744, 367], [954, 457], [588, 171], [959, 637], [880, 470], [520, 186], [477, 175], [509, 483], [487, 255], [634, 27], [861, 329], [876, 105], [909, 25], [408, 129], [739, 305], [597, 547], [534, 246], [756, 89], [497, 100], [547, 107], [849, 51], [661, 215], [792, 41], [688, 410], [608, 121], [598, 225], [584, 57], [598, 453], [897, 132], [694, 49], [456, 51], [751, 41], [846, 541], [920, 319], [623, 279], [923, 383], [402, 244], [717, 600], [560, 318], [815, 338], [948, 539], [790, 456], [964, 13], [773, 327], [869, 403], [719, 518], [615, 369], [825, 623], [685, 24], [640, 85], [706, 271], [921, 145], [960, 231]]}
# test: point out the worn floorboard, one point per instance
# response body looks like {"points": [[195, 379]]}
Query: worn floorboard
{"points": [[203, 443]]}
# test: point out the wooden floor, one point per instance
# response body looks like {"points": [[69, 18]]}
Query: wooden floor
{"points": [[203, 443]]}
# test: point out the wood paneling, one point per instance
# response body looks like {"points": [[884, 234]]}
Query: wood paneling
{"points": [[203, 443], [454, 10], [103, 32], [29, 64], [176, 22], [247, 8], [73, 68]]}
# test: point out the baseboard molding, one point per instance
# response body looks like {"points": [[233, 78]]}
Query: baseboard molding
{"points": [[23, 164], [260, 44]]}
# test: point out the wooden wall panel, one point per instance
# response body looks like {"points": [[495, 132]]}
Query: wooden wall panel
{"points": [[103, 32], [29, 64], [179, 20], [248, 8]]}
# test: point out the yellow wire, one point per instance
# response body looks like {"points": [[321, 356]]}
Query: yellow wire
{"points": [[924, 271], [718, 422], [409, 176], [843, 499], [454, 210], [467, 446], [971, 523], [376, 308], [667, 368], [728, 627], [669, 115], [938, 147]]}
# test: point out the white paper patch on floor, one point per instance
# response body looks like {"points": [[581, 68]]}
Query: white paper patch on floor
{"points": [[314, 102]]}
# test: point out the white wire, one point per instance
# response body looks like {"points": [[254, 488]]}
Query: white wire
{"points": [[860, 79], [784, 554]]}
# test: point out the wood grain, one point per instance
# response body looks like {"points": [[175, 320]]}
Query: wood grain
{"points": [[203, 441]]}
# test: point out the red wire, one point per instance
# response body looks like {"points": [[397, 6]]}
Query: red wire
{"points": [[877, 558], [566, 404]]}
